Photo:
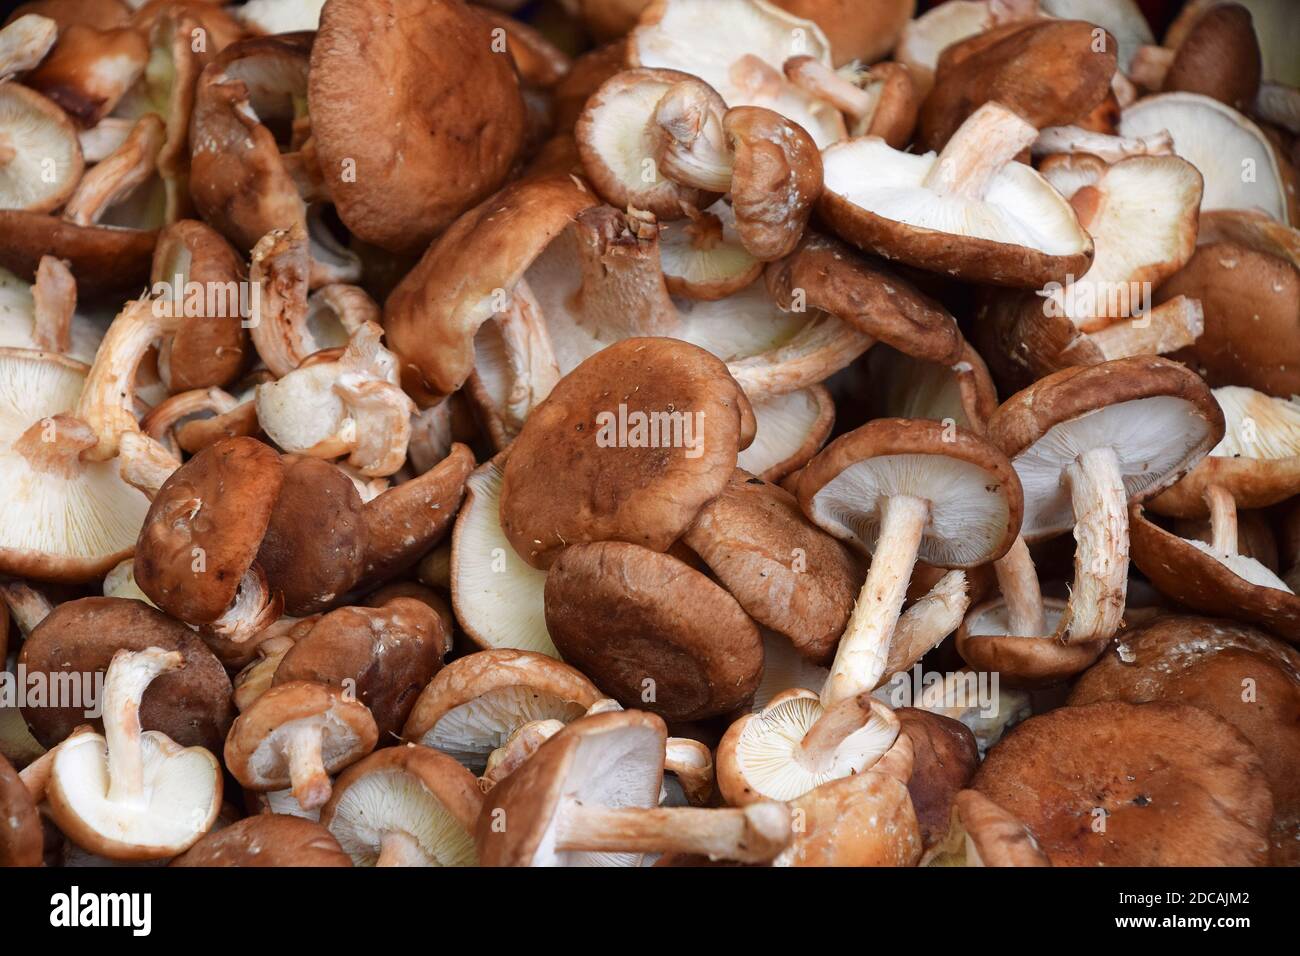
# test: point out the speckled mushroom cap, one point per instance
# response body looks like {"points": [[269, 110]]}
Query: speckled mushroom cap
{"points": [[267, 839], [192, 705], [431, 116], [388, 653], [1159, 417], [314, 548], [786, 573], [219, 502], [618, 486], [22, 839], [417, 791], [651, 631], [1204, 802], [474, 703], [1244, 676], [864, 293], [974, 495], [612, 759]]}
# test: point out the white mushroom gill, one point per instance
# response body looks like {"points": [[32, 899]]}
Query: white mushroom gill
{"points": [[391, 802]]}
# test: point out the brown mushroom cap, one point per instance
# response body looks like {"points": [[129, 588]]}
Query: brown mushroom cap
{"points": [[1051, 72], [1244, 676], [974, 496], [22, 840], [651, 631], [1195, 577], [986, 642], [423, 794], [430, 116], [992, 837], [314, 547], [1252, 316], [864, 819], [945, 758], [206, 349], [858, 30], [1204, 802], [347, 733], [1219, 57], [866, 295], [385, 656], [104, 260], [217, 506], [192, 705], [645, 494], [267, 839], [1158, 416], [787, 574]]}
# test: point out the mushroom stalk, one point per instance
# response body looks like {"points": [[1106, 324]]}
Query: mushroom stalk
{"points": [[1110, 149], [1223, 519], [864, 646], [927, 622], [55, 299], [129, 674], [837, 722], [400, 849], [1018, 581], [752, 834], [116, 177], [992, 137], [1101, 557], [813, 76], [302, 747]]}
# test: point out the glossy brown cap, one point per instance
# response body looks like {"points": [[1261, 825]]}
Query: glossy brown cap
{"points": [[945, 758]]}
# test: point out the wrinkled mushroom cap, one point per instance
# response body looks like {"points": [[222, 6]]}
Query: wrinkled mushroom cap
{"points": [[413, 790], [215, 507], [614, 491], [651, 631], [401, 79], [1159, 417], [974, 496], [192, 706], [1204, 802], [267, 839]]}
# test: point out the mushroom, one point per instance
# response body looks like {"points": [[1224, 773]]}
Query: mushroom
{"points": [[131, 794], [40, 157], [857, 31], [197, 553], [924, 38], [460, 107], [254, 679], [791, 429], [42, 316], [1218, 56], [1275, 31], [1085, 442], [79, 638], [382, 656], [651, 631], [1242, 675], [24, 41], [266, 840], [703, 257], [983, 834], [589, 796], [405, 806], [1083, 781], [476, 703], [296, 735], [90, 69], [945, 757], [744, 63], [881, 101], [971, 211], [787, 574], [1221, 143], [1049, 72], [617, 138], [22, 841]]}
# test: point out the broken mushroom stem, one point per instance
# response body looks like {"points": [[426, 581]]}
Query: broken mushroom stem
{"points": [[121, 173], [837, 721], [1097, 598], [519, 746], [129, 674], [1109, 149], [815, 77], [751, 834], [1018, 582], [989, 139], [397, 848], [864, 647], [254, 609], [54, 301], [1223, 519]]}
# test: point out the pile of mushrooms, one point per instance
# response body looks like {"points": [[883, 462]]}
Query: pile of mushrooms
{"points": [[664, 432]]}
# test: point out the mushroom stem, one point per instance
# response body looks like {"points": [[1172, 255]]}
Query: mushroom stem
{"points": [[837, 722], [302, 746], [54, 446], [1149, 66], [815, 77], [864, 646], [36, 775], [930, 619], [116, 177], [1018, 581], [55, 298], [531, 364], [752, 834], [522, 744], [1165, 328], [27, 606], [989, 139], [1096, 604], [400, 849], [129, 674], [1223, 519], [1110, 149]]}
